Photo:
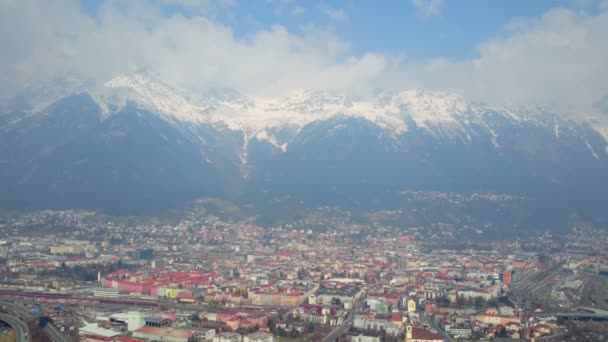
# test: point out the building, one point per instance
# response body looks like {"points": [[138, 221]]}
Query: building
{"points": [[105, 292], [163, 334], [345, 295], [506, 277], [227, 337], [93, 331], [69, 249], [364, 323], [416, 334], [143, 254], [363, 338], [157, 322], [135, 320], [461, 332], [259, 337], [207, 334], [411, 305]]}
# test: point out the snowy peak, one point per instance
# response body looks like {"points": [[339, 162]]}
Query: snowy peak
{"points": [[424, 106], [155, 96], [442, 114]]}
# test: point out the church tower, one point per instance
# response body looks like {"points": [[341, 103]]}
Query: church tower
{"points": [[408, 332]]}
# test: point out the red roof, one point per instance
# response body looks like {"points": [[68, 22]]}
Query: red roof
{"points": [[99, 338], [127, 339], [423, 334]]}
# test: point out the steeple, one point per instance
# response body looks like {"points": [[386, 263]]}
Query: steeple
{"points": [[408, 332]]}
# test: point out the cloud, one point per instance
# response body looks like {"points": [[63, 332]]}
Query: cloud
{"points": [[428, 8], [298, 10], [602, 105], [556, 60], [193, 52], [334, 14]]}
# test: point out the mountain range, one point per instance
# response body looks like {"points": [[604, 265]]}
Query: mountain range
{"points": [[134, 144]]}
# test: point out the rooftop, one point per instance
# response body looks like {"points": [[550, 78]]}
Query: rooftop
{"points": [[164, 332]]}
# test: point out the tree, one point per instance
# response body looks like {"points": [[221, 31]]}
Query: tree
{"points": [[195, 318], [271, 324], [302, 273], [479, 302], [461, 301]]}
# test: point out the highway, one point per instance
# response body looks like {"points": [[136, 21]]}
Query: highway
{"points": [[15, 309], [21, 330]]}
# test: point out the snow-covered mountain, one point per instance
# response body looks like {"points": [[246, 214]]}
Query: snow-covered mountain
{"points": [[135, 139], [443, 114]]}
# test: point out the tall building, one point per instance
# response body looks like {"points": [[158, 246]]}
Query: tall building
{"points": [[411, 305]]}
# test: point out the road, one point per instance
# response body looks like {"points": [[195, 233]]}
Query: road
{"points": [[54, 334], [445, 335], [340, 329], [16, 309], [21, 330], [348, 322]]}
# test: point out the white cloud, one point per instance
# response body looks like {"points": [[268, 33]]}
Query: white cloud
{"points": [[334, 14], [557, 60], [297, 10], [428, 8], [193, 52]]}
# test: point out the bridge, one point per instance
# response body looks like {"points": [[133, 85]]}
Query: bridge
{"points": [[14, 316], [21, 330], [17, 316]]}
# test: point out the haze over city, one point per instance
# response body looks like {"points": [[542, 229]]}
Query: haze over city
{"points": [[287, 170]]}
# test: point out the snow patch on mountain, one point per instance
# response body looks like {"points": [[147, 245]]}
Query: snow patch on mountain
{"points": [[158, 97], [445, 115], [264, 136], [593, 153]]}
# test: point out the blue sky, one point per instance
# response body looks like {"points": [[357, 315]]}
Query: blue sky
{"points": [[392, 26], [550, 53]]}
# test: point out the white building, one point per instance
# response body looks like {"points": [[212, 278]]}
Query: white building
{"points": [[259, 337], [361, 322], [135, 320], [227, 337], [346, 296], [207, 334], [364, 338]]}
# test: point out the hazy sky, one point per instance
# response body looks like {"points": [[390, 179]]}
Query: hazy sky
{"points": [[523, 52]]}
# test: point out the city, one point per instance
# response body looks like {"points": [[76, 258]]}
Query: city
{"points": [[205, 278], [303, 171]]}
